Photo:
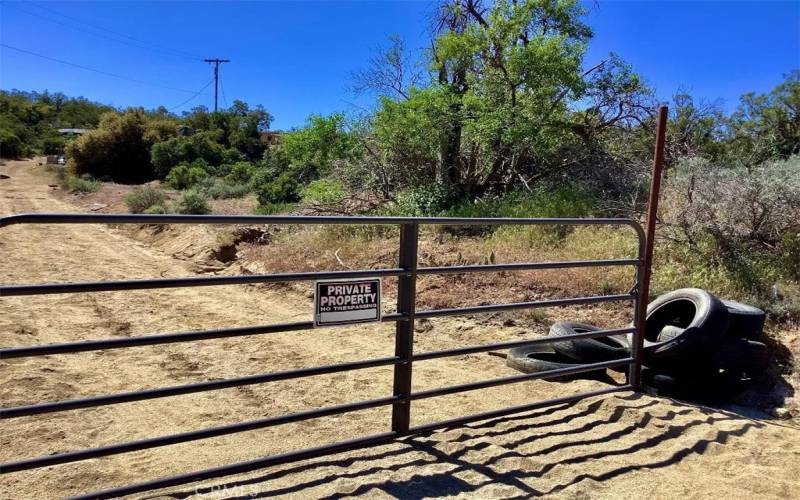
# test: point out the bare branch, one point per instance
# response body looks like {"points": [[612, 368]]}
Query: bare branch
{"points": [[390, 72]]}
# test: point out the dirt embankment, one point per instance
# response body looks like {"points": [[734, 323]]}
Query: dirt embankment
{"points": [[630, 445]]}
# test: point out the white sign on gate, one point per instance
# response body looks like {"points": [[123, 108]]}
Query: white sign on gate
{"points": [[342, 302]]}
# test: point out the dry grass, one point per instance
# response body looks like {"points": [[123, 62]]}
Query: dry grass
{"points": [[234, 206], [337, 248]]}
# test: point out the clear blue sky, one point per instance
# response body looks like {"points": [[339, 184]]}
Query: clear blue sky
{"points": [[296, 58]]}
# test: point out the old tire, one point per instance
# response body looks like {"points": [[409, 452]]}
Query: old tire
{"points": [[540, 358], [695, 321], [663, 384], [712, 386], [742, 355], [594, 350], [745, 321], [716, 388]]}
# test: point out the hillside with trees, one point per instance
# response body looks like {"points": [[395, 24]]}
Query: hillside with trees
{"points": [[503, 115], [29, 121]]}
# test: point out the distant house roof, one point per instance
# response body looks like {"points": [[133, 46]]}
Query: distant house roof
{"points": [[271, 137], [185, 130], [73, 130]]}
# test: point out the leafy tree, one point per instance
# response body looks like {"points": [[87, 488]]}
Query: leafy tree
{"points": [[506, 79], [304, 155], [204, 146], [20, 120], [237, 127], [246, 127], [11, 144], [119, 149], [312, 150], [410, 134], [29, 121], [768, 125]]}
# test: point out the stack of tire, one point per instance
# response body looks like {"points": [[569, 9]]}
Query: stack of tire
{"points": [[696, 346]]}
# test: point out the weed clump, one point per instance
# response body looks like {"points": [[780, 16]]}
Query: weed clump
{"points": [[143, 198], [224, 189], [193, 202], [79, 185]]}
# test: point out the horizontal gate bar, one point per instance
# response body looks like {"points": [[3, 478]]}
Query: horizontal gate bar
{"points": [[295, 456], [143, 444], [433, 313], [127, 397], [526, 266], [150, 284], [167, 338], [112, 286], [37, 218], [115, 449], [94, 345], [519, 343], [454, 389]]}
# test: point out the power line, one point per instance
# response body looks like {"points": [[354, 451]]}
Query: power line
{"points": [[105, 37], [143, 44], [191, 98], [224, 99], [87, 68]]}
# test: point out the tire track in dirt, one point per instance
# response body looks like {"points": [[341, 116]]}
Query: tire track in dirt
{"points": [[78, 253]]}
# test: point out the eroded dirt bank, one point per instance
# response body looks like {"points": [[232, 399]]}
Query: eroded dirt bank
{"points": [[628, 445]]}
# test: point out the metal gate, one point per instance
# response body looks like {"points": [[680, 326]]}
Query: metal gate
{"points": [[401, 400]]}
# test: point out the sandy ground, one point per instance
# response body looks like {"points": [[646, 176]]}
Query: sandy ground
{"points": [[622, 446]]}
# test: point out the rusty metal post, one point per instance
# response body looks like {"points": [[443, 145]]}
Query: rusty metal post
{"points": [[404, 336], [644, 270]]}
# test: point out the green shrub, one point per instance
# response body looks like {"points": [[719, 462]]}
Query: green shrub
{"points": [[202, 165], [155, 210], [184, 176], [203, 146], [283, 189], [422, 201], [732, 229], [220, 189], [84, 184], [739, 206], [142, 198], [434, 200], [790, 253], [566, 201], [53, 145], [240, 172], [323, 191], [193, 202], [275, 208]]}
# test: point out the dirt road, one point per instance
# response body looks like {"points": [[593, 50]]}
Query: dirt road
{"points": [[629, 445]]}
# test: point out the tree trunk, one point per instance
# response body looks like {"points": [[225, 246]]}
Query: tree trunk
{"points": [[447, 170], [449, 156]]}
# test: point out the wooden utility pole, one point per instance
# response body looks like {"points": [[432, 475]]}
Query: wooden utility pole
{"points": [[216, 63]]}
